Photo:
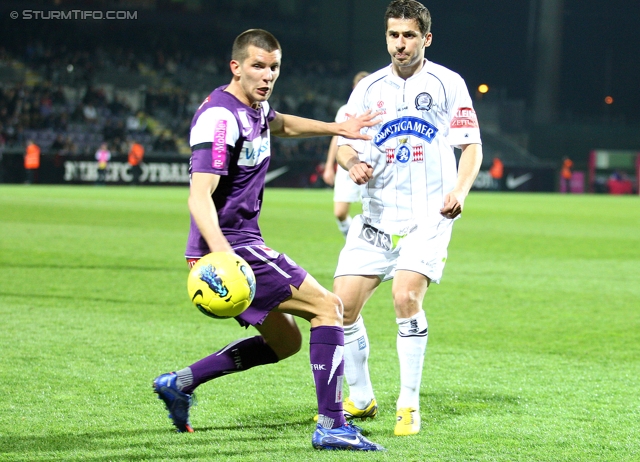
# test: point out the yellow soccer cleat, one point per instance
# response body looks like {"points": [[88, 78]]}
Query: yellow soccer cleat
{"points": [[407, 421], [352, 412]]}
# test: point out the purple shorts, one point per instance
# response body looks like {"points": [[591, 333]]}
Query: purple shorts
{"points": [[275, 274]]}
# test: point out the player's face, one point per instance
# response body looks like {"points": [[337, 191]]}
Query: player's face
{"points": [[257, 73], [406, 44]]}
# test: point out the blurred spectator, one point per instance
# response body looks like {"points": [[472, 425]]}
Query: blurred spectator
{"points": [[565, 175], [497, 172], [90, 113], [136, 154], [103, 156], [31, 161]]}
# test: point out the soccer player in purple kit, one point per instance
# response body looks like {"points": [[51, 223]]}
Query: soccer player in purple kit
{"points": [[230, 144]]}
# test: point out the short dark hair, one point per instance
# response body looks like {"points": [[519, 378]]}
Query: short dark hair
{"points": [[409, 9], [258, 38]]}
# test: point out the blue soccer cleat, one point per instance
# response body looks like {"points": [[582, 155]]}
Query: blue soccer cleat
{"points": [[348, 437], [176, 401]]}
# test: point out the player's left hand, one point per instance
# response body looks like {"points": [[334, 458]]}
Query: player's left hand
{"points": [[351, 127], [453, 205]]}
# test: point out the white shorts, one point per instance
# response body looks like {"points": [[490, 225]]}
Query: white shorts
{"points": [[344, 188], [371, 252]]}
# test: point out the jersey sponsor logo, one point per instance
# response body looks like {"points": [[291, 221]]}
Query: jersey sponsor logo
{"points": [[381, 110], [219, 147], [362, 343], [254, 152], [465, 118], [405, 126], [424, 101], [376, 238]]}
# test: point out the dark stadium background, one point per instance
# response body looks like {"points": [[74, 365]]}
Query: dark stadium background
{"points": [[549, 65]]}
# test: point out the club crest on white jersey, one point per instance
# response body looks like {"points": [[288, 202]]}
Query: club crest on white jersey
{"points": [[405, 153]]}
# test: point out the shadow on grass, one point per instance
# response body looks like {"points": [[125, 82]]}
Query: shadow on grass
{"points": [[146, 443]]}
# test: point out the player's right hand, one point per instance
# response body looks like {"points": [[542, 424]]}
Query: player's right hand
{"points": [[361, 172]]}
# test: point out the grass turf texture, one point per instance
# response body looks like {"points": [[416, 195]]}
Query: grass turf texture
{"points": [[533, 353]]}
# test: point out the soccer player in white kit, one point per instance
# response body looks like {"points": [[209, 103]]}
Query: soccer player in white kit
{"points": [[345, 191], [413, 192]]}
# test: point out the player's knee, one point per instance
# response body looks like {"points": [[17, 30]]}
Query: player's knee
{"points": [[332, 309], [407, 302], [350, 316]]}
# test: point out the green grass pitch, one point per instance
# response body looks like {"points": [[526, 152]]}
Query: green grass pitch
{"points": [[534, 349]]}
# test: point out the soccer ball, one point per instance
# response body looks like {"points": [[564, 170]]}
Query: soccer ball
{"points": [[221, 285]]}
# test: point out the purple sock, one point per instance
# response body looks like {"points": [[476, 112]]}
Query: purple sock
{"points": [[237, 356], [326, 351]]}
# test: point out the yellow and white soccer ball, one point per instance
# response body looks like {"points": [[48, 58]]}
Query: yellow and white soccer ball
{"points": [[221, 285]]}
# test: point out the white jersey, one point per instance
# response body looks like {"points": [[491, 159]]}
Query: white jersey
{"points": [[411, 151]]}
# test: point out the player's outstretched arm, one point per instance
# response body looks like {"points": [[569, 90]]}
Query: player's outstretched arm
{"points": [[289, 126], [468, 169], [360, 172], [204, 211]]}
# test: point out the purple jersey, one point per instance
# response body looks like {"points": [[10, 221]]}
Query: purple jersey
{"points": [[230, 139]]}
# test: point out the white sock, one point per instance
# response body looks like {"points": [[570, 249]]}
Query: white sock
{"points": [[412, 344], [343, 226], [356, 368]]}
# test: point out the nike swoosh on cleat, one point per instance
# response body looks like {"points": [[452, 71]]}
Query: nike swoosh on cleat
{"points": [[355, 440]]}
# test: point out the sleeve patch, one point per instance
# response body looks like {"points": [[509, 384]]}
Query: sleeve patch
{"points": [[465, 118]]}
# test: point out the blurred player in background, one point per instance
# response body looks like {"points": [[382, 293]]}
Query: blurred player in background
{"points": [[412, 195], [230, 145], [345, 191]]}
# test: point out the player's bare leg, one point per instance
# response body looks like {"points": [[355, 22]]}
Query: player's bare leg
{"points": [[343, 219], [281, 334], [409, 289], [354, 292]]}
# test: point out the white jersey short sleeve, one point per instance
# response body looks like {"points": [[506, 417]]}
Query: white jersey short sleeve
{"points": [[344, 188], [412, 148]]}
